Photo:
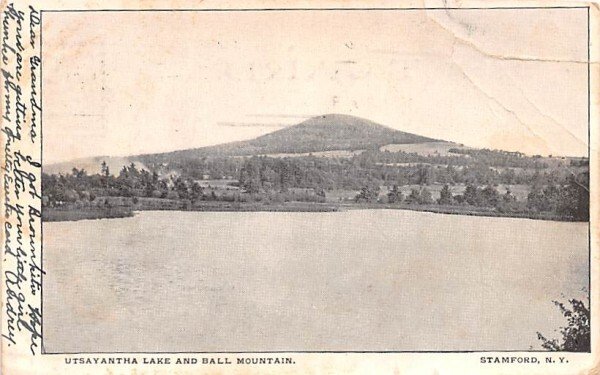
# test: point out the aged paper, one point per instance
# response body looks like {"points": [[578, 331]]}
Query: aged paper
{"points": [[290, 187]]}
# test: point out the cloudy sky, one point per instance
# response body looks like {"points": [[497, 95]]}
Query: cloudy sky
{"points": [[128, 83]]}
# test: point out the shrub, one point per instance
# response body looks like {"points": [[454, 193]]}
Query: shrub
{"points": [[576, 334]]}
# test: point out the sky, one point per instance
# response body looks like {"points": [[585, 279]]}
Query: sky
{"points": [[125, 83]]}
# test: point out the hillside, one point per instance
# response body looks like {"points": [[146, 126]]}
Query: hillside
{"points": [[317, 134], [331, 159], [331, 134]]}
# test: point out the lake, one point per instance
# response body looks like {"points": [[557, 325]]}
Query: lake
{"points": [[372, 280]]}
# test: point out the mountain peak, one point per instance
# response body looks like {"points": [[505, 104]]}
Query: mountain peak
{"points": [[334, 132], [336, 119], [327, 132]]}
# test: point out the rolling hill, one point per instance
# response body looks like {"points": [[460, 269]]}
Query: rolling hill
{"points": [[318, 134], [331, 134]]}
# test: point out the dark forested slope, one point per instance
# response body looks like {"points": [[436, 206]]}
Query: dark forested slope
{"points": [[321, 133]]}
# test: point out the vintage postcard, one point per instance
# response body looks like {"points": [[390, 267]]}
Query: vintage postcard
{"points": [[405, 187]]}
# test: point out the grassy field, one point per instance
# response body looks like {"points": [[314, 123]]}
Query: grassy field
{"points": [[425, 148]]}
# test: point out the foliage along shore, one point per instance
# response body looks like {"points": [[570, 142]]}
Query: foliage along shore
{"points": [[468, 182], [71, 213], [127, 209]]}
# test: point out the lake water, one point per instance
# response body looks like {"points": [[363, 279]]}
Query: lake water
{"points": [[373, 280]]}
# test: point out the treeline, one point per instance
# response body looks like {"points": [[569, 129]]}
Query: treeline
{"points": [[196, 168], [560, 189], [130, 182], [462, 156], [480, 167], [81, 188], [569, 201], [266, 173]]}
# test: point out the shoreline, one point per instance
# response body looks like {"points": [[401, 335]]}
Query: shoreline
{"points": [[58, 215], [97, 213]]}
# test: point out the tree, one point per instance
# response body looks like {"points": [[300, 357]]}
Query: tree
{"points": [[509, 197], [508, 202], [425, 196], [446, 196], [507, 176], [197, 191], [368, 193], [414, 197], [104, 174], [395, 195], [471, 195], [104, 171], [576, 334], [320, 193], [250, 176], [552, 197], [425, 175], [181, 188], [490, 196], [575, 198], [535, 200]]}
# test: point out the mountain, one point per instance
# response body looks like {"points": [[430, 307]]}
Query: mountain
{"points": [[320, 134], [317, 134]]}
